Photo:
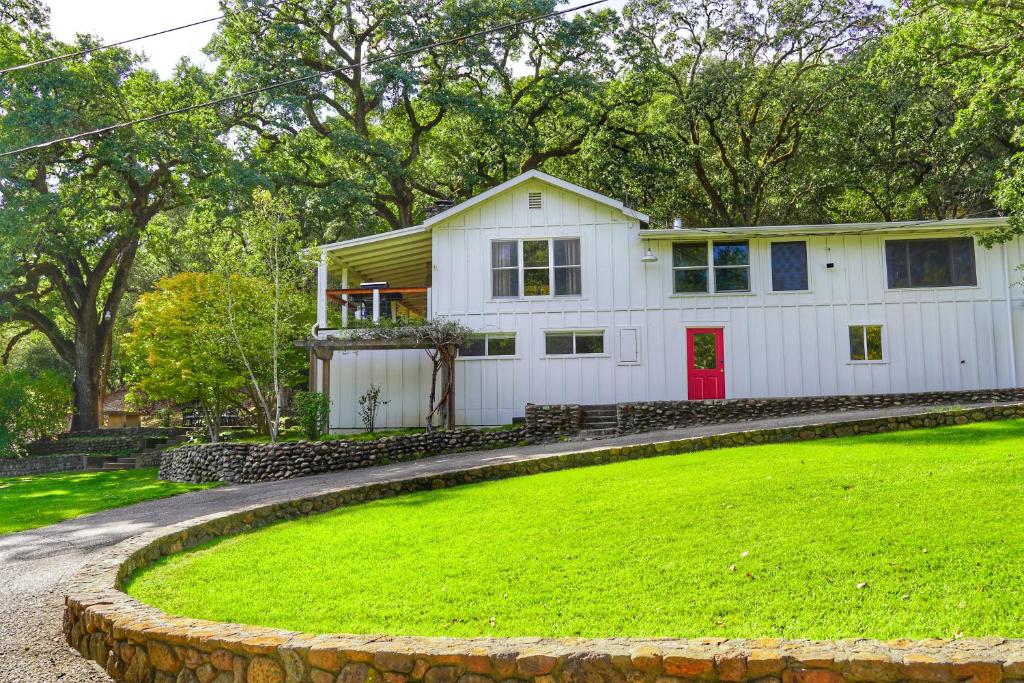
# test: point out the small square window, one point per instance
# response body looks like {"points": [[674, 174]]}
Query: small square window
{"points": [[865, 342], [789, 266], [558, 344]]}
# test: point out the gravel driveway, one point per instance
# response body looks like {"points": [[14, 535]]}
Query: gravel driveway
{"points": [[36, 564]]}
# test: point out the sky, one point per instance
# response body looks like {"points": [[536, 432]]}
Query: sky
{"points": [[115, 20]]}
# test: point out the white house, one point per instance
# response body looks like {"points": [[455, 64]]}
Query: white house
{"points": [[576, 299]]}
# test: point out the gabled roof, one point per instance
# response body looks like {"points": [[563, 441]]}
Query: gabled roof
{"points": [[543, 177], [482, 197]]}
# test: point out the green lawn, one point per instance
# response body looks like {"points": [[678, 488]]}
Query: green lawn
{"points": [[30, 502], [916, 534]]}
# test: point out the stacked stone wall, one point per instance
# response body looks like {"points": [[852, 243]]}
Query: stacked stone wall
{"points": [[633, 418], [249, 463], [140, 644], [46, 464], [552, 422]]}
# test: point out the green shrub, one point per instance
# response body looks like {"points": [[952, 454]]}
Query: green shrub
{"points": [[32, 408], [313, 409]]}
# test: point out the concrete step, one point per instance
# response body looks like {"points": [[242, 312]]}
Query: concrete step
{"points": [[591, 434]]}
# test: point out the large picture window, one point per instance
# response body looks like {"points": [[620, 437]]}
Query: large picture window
{"points": [[548, 266], [717, 266], [940, 262], [789, 266]]}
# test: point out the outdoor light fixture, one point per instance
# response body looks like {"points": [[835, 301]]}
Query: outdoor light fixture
{"points": [[649, 256]]}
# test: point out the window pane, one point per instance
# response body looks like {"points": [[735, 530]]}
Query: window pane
{"points": [[695, 280], [505, 282], [558, 344], [590, 342], [964, 269], [874, 342], [731, 253], [504, 255], [567, 252], [705, 354], [857, 342], [690, 254], [535, 253], [789, 266], [537, 282], [474, 347], [567, 281], [732, 279], [930, 264], [501, 346], [896, 266]]}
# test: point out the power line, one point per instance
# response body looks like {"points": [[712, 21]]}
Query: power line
{"points": [[301, 79], [88, 51]]}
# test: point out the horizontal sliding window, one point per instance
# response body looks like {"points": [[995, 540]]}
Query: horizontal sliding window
{"points": [[573, 343], [497, 344], [865, 342], [944, 262], [717, 266]]}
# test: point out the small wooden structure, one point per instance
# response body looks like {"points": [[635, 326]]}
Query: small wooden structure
{"points": [[117, 414]]}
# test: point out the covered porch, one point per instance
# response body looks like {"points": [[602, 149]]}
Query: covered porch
{"points": [[367, 279]]}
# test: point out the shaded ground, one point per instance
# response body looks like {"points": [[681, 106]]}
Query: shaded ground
{"points": [[34, 565]]}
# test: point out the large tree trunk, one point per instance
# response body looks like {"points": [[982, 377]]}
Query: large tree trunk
{"points": [[86, 413]]}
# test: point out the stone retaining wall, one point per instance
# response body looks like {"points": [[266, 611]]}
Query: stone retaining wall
{"points": [[138, 643], [250, 463], [552, 422], [96, 444], [46, 464]]}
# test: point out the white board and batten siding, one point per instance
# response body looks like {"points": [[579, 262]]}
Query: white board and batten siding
{"points": [[776, 344]]}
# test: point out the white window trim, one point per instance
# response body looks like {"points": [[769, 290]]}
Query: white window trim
{"points": [[574, 332], [769, 289], [710, 267], [522, 268], [907, 238], [884, 360], [487, 340]]}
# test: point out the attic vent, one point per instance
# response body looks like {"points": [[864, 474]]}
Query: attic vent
{"points": [[535, 200]]}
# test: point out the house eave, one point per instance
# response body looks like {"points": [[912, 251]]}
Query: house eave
{"points": [[811, 230]]}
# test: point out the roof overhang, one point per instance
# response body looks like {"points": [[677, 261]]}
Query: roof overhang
{"points": [[950, 225], [402, 258]]}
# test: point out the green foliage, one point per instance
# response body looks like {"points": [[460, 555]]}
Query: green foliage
{"points": [[32, 407], [369, 403], [313, 409], [31, 502], [863, 537]]}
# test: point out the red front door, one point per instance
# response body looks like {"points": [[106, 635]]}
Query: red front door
{"points": [[705, 363]]}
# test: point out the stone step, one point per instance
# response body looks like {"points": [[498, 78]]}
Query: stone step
{"points": [[599, 424], [591, 434]]}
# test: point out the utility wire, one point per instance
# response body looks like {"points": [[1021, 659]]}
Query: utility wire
{"points": [[88, 51], [301, 79]]}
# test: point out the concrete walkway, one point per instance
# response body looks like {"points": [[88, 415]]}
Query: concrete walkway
{"points": [[35, 564]]}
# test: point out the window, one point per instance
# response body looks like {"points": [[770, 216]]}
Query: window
{"points": [[536, 268], [789, 266], [865, 342], [548, 266], [696, 265], [480, 345], [945, 262], [505, 268], [573, 343]]}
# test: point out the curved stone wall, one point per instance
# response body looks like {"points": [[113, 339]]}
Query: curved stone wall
{"points": [[136, 643]]}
